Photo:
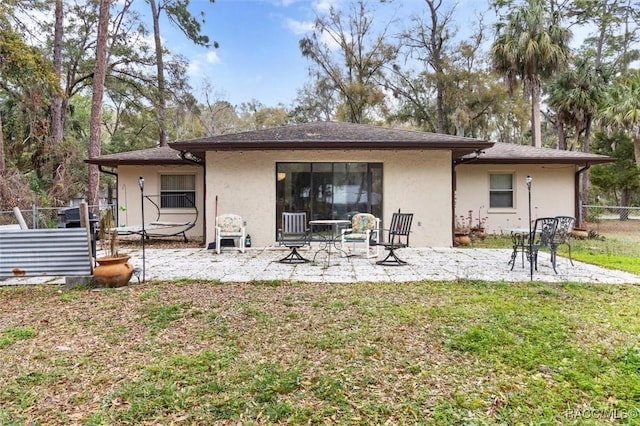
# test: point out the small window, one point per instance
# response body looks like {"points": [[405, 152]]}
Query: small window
{"points": [[501, 190], [177, 191]]}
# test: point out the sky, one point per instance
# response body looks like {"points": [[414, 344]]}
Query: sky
{"points": [[259, 58]]}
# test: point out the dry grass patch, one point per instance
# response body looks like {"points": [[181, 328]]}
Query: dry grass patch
{"points": [[425, 353]]}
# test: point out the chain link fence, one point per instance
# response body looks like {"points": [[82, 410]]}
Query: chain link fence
{"points": [[596, 213], [39, 217]]}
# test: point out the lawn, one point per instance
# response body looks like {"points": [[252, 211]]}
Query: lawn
{"points": [[613, 244], [262, 353]]}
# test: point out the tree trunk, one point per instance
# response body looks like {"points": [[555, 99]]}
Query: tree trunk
{"points": [[536, 132], [56, 109], [160, 107], [585, 175], [2, 161], [99, 76]]}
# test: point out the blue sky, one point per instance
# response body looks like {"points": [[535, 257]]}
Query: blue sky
{"points": [[258, 57]]}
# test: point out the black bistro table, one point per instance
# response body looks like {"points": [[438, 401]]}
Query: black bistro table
{"points": [[520, 240], [330, 238]]}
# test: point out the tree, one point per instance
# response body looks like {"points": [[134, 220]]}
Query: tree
{"points": [[621, 179], [621, 110], [178, 14], [26, 77], [430, 40], [576, 96], [99, 76], [531, 45], [344, 53]]}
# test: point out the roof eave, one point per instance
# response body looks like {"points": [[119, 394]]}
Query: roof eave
{"points": [[461, 148], [579, 161]]}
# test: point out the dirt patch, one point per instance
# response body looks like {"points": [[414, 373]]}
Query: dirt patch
{"points": [[133, 242], [614, 226]]}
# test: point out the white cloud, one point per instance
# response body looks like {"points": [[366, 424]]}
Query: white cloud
{"points": [[197, 63], [212, 57], [298, 27], [323, 6]]}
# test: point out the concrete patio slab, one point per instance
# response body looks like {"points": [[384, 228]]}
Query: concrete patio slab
{"points": [[436, 264]]}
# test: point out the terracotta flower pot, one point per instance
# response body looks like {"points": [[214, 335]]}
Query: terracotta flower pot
{"points": [[580, 233], [461, 239], [113, 271]]}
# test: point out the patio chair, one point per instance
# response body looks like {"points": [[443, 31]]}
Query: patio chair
{"points": [[542, 236], [231, 227], [365, 229], [397, 237], [294, 234], [563, 234]]}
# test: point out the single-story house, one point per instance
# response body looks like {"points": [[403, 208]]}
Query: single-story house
{"points": [[332, 169]]}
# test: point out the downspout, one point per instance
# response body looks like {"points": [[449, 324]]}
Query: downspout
{"points": [[578, 200], [454, 186], [101, 169], [190, 158]]}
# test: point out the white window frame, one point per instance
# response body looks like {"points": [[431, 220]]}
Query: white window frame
{"points": [[502, 190], [183, 190]]}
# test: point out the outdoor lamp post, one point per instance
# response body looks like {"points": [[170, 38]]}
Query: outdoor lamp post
{"points": [[141, 183], [528, 180]]}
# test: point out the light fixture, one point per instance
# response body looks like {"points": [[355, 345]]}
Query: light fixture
{"points": [[143, 234], [281, 176], [528, 181]]}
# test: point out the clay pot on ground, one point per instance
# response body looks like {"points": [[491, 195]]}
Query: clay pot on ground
{"points": [[113, 271], [580, 233], [461, 239]]}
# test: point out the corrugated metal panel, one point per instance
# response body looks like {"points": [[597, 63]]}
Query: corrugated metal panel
{"points": [[36, 252]]}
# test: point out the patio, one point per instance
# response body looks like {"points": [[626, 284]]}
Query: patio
{"points": [[437, 264]]}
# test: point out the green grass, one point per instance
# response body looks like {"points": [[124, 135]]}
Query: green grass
{"points": [[418, 353], [611, 251]]}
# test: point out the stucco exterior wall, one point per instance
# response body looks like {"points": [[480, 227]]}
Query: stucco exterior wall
{"points": [[416, 182], [552, 193], [129, 196]]}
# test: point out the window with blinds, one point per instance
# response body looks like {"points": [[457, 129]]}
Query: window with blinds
{"points": [[177, 191], [501, 190]]}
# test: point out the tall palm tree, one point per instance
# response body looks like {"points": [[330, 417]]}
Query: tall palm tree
{"points": [[576, 96], [621, 109], [530, 46]]}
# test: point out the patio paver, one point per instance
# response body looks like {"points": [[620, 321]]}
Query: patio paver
{"points": [[437, 264]]}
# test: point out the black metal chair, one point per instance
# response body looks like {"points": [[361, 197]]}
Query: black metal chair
{"points": [[542, 236], [294, 234], [563, 234], [397, 237]]}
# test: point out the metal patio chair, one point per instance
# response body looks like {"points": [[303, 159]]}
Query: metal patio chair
{"points": [[397, 237], [294, 234], [563, 234]]}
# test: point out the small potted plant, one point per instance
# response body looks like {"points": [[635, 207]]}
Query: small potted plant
{"points": [[463, 228], [478, 229], [114, 269]]}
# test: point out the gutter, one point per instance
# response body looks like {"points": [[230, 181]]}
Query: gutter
{"points": [[190, 158], [108, 172], [578, 200]]}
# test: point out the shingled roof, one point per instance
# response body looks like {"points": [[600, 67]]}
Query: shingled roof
{"points": [[333, 135], [508, 153], [158, 156], [337, 135]]}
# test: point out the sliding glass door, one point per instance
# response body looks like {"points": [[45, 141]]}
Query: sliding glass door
{"points": [[328, 190]]}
